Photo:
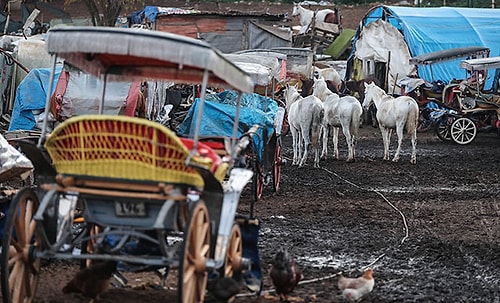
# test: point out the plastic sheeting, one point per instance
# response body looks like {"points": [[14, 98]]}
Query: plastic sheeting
{"points": [[426, 30], [219, 113], [12, 162], [30, 98], [82, 96]]}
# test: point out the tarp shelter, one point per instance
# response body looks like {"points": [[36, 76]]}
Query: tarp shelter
{"points": [[227, 31], [388, 36], [78, 94]]}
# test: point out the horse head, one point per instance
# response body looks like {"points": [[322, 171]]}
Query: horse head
{"points": [[296, 9], [319, 86], [291, 94], [370, 91]]}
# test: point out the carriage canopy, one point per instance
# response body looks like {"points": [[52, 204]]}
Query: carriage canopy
{"points": [[120, 52]]}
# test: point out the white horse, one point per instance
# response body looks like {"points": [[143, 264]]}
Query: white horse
{"points": [[305, 117], [342, 112], [307, 15], [329, 74], [394, 113]]}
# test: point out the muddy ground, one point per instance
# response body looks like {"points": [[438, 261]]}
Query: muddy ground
{"points": [[431, 231]]}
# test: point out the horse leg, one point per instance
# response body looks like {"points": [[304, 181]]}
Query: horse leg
{"points": [[307, 142], [293, 130], [324, 151], [300, 146], [413, 159], [350, 144], [335, 139], [399, 132], [386, 137]]}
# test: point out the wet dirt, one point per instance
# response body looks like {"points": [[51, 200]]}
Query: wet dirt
{"points": [[431, 231]]}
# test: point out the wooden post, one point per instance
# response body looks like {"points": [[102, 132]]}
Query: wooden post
{"points": [[387, 72]]}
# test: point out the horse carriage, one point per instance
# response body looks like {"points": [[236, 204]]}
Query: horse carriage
{"points": [[479, 110], [438, 100], [130, 181], [259, 113]]}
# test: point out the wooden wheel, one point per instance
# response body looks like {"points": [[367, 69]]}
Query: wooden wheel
{"points": [[20, 269], [196, 250], [277, 166], [90, 246], [234, 255], [257, 179]]}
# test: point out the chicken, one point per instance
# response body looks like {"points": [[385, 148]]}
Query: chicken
{"points": [[285, 274], [92, 281], [226, 288], [355, 289]]}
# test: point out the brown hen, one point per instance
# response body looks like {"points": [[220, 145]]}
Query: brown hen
{"points": [[92, 281], [285, 274]]}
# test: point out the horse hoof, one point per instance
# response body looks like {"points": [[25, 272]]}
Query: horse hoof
{"points": [[350, 160]]}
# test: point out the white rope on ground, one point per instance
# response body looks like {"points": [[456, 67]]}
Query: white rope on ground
{"points": [[388, 202], [266, 292]]}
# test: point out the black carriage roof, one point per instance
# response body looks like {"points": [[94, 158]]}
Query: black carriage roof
{"points": [[449, 54], [139, 53]]}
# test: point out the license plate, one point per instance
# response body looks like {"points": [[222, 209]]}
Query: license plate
{"points": [[130, 209]]}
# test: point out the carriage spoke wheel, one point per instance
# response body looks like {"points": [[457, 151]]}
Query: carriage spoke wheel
{"points": [[257, 179], [443, 132], [277, 167], [90, 246], [463, 131], [20, 269], [234, 256], [196, 249]]}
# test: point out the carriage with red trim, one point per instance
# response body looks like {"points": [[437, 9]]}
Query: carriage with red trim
{"points": [[130, 181], [259, 111]]}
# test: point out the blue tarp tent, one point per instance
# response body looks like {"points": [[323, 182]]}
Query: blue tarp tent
{"points": [[31, 95], [424, 30]]}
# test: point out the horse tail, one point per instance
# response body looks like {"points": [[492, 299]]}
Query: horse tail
{"points": [[356, 118], [412, 118], [316, 125]]}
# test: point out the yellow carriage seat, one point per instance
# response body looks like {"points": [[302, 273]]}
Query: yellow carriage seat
{"points": [[120, 147]]}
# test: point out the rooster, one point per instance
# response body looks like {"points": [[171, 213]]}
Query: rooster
{"points": [[355, 289], [285, 274], [92, 281]]}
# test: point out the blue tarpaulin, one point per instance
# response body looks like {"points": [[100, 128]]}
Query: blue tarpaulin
{"points": [[31, 96], [427, 30], [219, 115], [149, 13]]}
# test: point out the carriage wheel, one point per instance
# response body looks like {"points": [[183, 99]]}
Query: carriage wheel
{"points": [[463, 131], [257, 179], [196, 249], [20, 269], [234, 256], [90, 246], [277, 166], [443, 129]]}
